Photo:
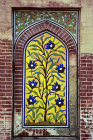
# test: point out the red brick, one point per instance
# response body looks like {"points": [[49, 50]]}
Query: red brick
{"points": [[83, 79], [82, 72], [86, 69], [90, 94], [86, 83], [83, 93], [89, 79], [82, 65], [86, 61], [90, 72], [89, 87]]}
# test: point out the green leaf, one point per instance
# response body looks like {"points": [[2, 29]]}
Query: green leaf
{"points": [[42, 104], [36, 93], [60, 79], [54, 117], [46, 91], [33, 114], [37, 116], [60, 117], [57, 43], [53, 71], [43, 57], [38, 75], [46, 52], [61, 52], [55, 54], [31, 107], [28, 121], [64, 88], [60, 95], [29, 76], [36, 54], [46, 38], [52, 80], [34, 45], [50, 107], [51, 98], [54, 93], [40, 120], [34, 49], [59, 47], [30, 117], [37, 111], [28, 89], [52, 65], [39, 43], [53, 40], [32, 56], [57, 114], [50, 60], [43, 84], [62, 121]]}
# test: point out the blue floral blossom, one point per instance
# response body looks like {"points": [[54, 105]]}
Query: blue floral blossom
{"points": [[56, 87], [32, 83], [60, 68], [31, 100], [32, 64], [59, 102], [50, 45]]}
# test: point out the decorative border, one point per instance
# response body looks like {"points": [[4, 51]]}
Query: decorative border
{"points": [[67, 84], [68, 19]]}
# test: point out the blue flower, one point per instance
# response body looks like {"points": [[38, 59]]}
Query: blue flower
{"points": [[31, 100], [56, 87], [50, 45], [32, 83], [32, 64], [60, 68], [59, 102]]}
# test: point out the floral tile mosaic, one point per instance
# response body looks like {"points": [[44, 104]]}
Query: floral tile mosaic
{"points": [[26, 18], [45, 95]]}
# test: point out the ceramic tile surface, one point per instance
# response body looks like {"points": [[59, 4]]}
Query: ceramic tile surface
{"points": [[67, 19], [45, 82]]}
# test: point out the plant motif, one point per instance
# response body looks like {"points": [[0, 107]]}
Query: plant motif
{"points": [[32, 64], [59, 102], [56, 87], [50, 45], [31, 100], [67, 19], [60, 68], [32, 84], [45, 81]]}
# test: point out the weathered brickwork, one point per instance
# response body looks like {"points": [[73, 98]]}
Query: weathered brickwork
{"points": [[5, 89], [86, 96]]}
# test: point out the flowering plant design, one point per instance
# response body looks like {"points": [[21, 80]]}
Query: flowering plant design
{"points": [[50, 45], [49, 94], [59, 102], [32, 64], [60, 68], [32, 83], [31, 100], [56, 87]]}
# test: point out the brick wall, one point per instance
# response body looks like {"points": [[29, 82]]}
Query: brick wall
{"points": [[5, 89], [86, 96]]}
